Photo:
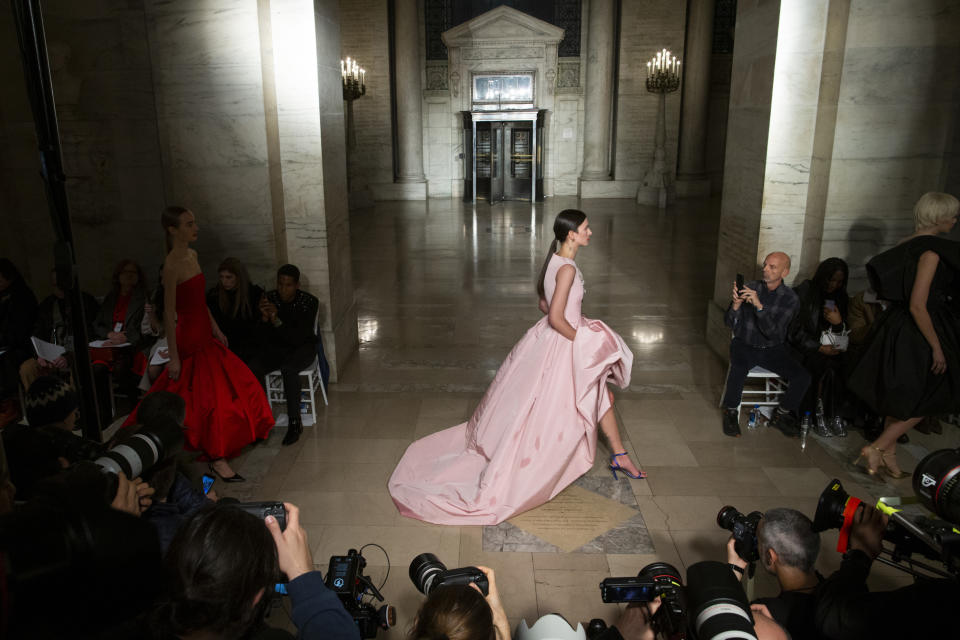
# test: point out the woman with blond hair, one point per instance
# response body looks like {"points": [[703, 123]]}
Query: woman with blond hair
{"points": [[233, 303], [911, 369]]}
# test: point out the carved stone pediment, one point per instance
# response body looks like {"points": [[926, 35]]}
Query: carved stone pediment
{"points": [[500, 26]]}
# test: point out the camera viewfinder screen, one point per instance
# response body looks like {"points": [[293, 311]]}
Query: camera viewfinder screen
{"points": [[633, 593]]}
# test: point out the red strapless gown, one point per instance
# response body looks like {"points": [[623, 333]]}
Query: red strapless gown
{"points": [[226, 406]]}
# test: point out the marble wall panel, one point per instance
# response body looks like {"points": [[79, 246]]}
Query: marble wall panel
{"points": [[884, 131], [227, 90], [899, 106], [219, 195], [215, 141], [646, 26], [751, 90], [896, 23], [365, 36]]}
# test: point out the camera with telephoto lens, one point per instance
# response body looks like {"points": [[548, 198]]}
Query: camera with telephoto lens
{"points": [[140, 452], [427, 573], [744, 530], [656, 580], [935, 483], [345, 578], [712, 605]]}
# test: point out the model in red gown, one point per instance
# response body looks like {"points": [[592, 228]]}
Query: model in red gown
{"points": [[226, 406]]}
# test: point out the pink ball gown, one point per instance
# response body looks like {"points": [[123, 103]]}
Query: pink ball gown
{"points": [[534, 432]]}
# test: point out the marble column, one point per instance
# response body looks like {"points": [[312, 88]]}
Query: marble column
{"points": [[409, 94], [692, 179], [599, 91]]}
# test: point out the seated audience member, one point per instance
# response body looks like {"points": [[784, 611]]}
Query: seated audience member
{"points": [[47, 445], [53, 325], [152, 325], [234, 304], [846, 609], [18, 315], [288, 340], [788, 548], [815, 333], [760, 315], [222, 566], [118, 322], [174, 498], [462, 612]]}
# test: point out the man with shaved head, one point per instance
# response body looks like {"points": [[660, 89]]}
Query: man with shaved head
{"points": [[759, 315]]}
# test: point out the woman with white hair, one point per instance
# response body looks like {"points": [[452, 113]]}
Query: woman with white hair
{"points": [[911, 369]]}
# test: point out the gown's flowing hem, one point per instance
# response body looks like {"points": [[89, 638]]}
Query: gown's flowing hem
{"points": [[457, 476]]}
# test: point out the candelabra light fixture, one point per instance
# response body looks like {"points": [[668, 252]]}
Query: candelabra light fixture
{"points": [[663, 77], [354, 79], [663, 73]]}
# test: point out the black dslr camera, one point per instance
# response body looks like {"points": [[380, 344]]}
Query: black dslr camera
{"points": [[712, 605], [345, 578], [656, 580], [744, 530], [428, 573]]}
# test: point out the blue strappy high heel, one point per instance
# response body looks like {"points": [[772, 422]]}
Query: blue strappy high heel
{"points": [[615, 466]]}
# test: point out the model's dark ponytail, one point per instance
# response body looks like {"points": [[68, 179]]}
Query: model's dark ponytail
{"points": [[566, 221]]}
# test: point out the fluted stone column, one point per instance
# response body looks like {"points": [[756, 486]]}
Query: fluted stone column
{"points": [[409, 94], [692, 179], [599, 91]]}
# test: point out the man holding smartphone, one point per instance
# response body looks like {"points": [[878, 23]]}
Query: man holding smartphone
{"points": [[759, 315]]}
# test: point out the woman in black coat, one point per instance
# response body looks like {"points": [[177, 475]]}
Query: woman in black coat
{"points": [[823, 312]]}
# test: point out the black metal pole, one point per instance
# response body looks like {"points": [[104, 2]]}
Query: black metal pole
{"points": [[28, 21]]}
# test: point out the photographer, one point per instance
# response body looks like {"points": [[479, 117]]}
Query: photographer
{"points": [[222, 567], [461, 612], [788, 549], [845, 608]]}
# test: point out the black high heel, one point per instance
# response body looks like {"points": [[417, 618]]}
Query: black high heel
{"points": [[236, 477]]}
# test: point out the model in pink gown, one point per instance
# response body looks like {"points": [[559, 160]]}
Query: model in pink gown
{"points": [[534, 432]]}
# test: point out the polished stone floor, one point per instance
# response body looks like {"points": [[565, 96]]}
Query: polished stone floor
{"points": [[444, 290]]}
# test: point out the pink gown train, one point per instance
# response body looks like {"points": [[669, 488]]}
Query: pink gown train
{"points": [[534, 432]]}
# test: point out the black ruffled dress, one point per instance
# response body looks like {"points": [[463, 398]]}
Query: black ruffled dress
{"points": [[893, 377]]}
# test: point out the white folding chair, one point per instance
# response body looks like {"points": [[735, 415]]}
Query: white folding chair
{"points": [[308, 404], [768, 395]]}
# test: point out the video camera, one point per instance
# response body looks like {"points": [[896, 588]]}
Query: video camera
{"points": [[935, 483], [711, 606], [427, 573], [345, 578]]}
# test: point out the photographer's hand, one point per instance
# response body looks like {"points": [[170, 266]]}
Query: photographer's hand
{"points": [[493, 599], [293, 551], [635, 620], [126, 498], [144, 494], [866, 531], [734, 558]]}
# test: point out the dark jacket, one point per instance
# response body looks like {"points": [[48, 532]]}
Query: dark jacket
{"points": [[298, 319], [18, 314], [166, 517], [809, 323], [103, 323], [53, 320], [241, 331], [846, 608]]}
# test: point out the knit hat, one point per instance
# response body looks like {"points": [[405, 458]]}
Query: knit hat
{"points": [[49, 400]]}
